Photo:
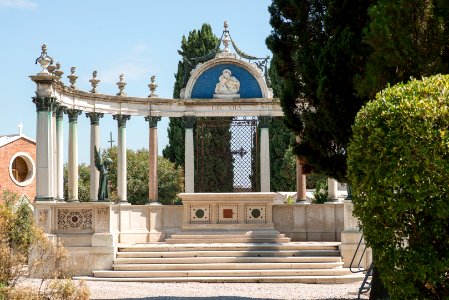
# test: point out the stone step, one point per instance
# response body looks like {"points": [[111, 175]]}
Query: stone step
{"points": [[205, 260], [176, 240], [163, 247], [225, 266], [223, 273], [340, 279], [256, 253]]}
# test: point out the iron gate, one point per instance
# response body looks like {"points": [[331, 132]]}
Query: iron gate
{"points": [[226, 155]]}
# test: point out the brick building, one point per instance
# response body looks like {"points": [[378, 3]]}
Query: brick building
{"points": [[17, 165]]}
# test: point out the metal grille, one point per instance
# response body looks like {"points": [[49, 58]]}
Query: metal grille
{"points": [[226, 155]]}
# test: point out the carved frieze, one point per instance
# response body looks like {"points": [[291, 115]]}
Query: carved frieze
{"points": [[74, 219]]}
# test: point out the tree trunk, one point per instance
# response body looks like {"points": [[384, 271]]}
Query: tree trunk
{"points": [[378, 290]]}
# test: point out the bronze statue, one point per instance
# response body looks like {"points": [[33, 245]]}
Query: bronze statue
{"points": [[103, 167]]}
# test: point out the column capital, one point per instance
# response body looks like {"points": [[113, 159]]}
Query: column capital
{"points": [[60, 110], [152, 121], [94, 117], [189, 121], [121, 119], [264, 121], [44, 103], [73, 114]]}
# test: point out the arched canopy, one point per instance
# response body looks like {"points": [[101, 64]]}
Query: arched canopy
{"points": [[205, 77]]}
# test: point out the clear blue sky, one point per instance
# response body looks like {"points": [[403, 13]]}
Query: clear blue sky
{"points": [[138, 38]]}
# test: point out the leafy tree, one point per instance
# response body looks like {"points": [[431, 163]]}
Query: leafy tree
{"points": [[282, 162], [398, 164], [318, 49], [170, 177], [197, 44], [83, 182], [408, 38]]}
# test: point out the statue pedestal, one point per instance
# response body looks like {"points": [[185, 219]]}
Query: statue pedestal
{"points": [[226, 96]]}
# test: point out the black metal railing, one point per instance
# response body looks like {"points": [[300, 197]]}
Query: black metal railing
{"points": [[365, 287]]}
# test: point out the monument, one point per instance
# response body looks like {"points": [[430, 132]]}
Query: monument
{"points": [[98, 233]]}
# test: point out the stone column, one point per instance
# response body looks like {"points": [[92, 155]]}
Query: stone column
{"points": [[301, 188], [153, 178], [73, 154], [332, 189], [264, 124], [44, 149], [121, 158], [189, 159], [60, 152], [94, 142]]}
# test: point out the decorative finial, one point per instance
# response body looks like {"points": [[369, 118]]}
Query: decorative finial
{"points": [[72, 77], [94, 82], [58, 72], [44, 60], [226, 38], [121, 85], [51, 68], [152, 87]]}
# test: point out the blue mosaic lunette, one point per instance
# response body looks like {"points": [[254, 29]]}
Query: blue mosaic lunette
{"points": [[204, 87]]}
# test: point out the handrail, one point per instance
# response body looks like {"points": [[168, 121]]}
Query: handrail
{"points": [[359, 269]]}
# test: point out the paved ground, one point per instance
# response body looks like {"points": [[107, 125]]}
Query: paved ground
{"points": [[221, 291]]}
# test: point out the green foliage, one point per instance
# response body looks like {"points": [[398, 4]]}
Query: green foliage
{"points": [[398, 166], [214, 172], [321, 194], [197, 44], [83, 182], [171, 180], [408, 38], [21, 238], [282, 159], [318, 49]]}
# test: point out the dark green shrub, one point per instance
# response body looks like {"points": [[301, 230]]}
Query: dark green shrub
{"points": [[321, 193], [398, 164]]}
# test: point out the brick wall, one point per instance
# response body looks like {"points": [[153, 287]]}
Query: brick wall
{"points": [[6, 153]]}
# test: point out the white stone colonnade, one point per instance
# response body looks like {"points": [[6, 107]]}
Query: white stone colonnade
{"points": [[53, 99]]}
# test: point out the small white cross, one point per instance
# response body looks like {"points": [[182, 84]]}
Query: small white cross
{"points": [[20, 129]]}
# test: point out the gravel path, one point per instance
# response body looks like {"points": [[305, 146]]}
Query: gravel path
{"points": [[221, 291]]}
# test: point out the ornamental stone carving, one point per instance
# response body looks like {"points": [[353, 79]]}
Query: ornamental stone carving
{"points": [[71, 219], [228, 86]]}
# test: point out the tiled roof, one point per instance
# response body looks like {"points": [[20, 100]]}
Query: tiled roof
{"points": [[6, 139]]}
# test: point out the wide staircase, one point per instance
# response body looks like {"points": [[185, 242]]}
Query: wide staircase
{"points": [[230, 261]]}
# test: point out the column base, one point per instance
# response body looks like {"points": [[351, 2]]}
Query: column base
{"points": [[73, 200], [302, 201]]}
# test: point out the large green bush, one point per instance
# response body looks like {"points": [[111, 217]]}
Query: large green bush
{"points": [[398, 164]]}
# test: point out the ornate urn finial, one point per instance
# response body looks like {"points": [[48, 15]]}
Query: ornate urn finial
{"points": [[58, 72], [226, 38], [121, 85], [152, 87], [51, 68], [72, 77], [94, 82], [44, 60]]}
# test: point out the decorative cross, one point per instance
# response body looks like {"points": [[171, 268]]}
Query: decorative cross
{"points": [[242, 152], [110, 138], [20, 129]]}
